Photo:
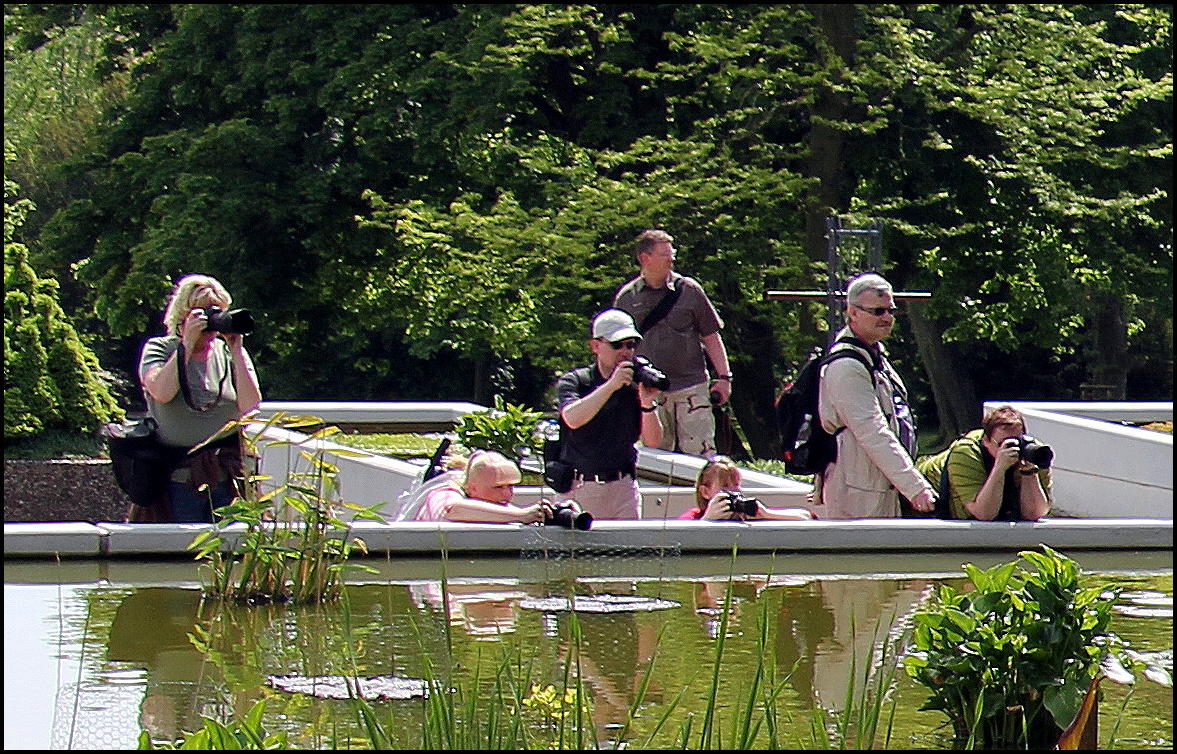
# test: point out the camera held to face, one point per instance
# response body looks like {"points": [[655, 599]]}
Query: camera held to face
{"points": [[564, 514], [1035, 451], [740, 503], [647, 374], [232, 322]]}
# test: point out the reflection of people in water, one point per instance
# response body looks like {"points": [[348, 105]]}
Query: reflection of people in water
{"points": [[615, 654], [481, 609], [833, 628], [709, 598], [150, 630], [803, 622]]}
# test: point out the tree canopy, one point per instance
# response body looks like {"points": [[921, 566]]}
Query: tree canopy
{"points": [[414, 198]]}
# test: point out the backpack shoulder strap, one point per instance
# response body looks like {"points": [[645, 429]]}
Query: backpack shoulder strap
{"points": [[850, 353]]}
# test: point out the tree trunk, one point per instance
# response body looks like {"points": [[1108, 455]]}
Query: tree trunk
{"points": [[826, 144], [754, 387], [481, 392], [953, 389], [1110, 361]]}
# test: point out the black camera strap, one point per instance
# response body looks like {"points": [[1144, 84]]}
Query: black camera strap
{"points": [[661, 309], [184, 382]]}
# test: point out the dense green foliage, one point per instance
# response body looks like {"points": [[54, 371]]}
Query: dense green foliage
{"points": [[1010, 660], [506, 428], [51, 378], [415, 199]]}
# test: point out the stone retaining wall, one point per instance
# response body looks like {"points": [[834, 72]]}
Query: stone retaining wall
{"points": [[62, 490]]}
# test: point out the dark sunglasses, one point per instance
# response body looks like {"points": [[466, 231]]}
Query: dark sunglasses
{"points": [[878, 311], [631, 343]]}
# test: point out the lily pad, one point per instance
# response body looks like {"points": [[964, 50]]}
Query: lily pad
{"points": [[598, 603], [337, 686]]}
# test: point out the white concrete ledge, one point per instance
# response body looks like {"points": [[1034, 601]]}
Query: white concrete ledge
{"points": [[796, 537], [375, 412], [74, 539]]}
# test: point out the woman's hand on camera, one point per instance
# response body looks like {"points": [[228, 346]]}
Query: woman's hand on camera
{"points": [[718, 508], [193, 329]]}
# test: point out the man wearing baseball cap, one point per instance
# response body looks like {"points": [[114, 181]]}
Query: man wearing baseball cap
{"points": [[603, 414]]}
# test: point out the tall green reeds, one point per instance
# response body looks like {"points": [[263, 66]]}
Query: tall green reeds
{"points": [[294, 548]]}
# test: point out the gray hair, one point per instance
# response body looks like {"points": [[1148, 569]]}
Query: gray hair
{"points": [[490, 466], [864, 283]]}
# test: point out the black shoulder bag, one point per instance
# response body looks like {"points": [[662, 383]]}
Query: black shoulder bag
{"points": [[661, 309], [141, 464]]}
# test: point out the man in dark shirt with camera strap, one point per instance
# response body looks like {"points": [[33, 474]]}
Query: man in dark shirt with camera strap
{"points": [[604, 411]]}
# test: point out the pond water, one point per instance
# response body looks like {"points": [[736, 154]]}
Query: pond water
{"points": [[95, 651]]}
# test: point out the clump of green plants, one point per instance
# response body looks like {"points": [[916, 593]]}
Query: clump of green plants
{"points": [[1012, 661], [245, 734], [507, 428], [294, 548]]}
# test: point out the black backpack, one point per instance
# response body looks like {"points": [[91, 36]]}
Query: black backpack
{"points": [[805, 447]]}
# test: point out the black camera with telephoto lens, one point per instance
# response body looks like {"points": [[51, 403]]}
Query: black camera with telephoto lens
{"points": [[564, 514], [1035, 451], [648, 374], [740, 503], [232, 322]]}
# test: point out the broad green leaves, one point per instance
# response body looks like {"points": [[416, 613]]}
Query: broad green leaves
{"points": [[1011, 660]]}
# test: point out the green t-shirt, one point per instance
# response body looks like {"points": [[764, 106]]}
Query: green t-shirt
{"points": [[211, 384], [967, 471]]}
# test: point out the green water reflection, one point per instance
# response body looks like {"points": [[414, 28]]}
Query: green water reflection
{"points": [[137, 666]]}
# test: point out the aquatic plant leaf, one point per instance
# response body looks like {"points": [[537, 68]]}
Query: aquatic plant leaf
{"points": [[1115, 670]]}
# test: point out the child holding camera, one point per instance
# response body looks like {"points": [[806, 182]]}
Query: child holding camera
{"points": [[718, 497]]}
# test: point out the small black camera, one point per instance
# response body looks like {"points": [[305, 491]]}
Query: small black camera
{"points": [[648, 374], [232, 322], [1035, 451], [740, 503], [563, 514]]}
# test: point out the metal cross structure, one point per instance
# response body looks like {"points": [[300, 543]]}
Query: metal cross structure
{"points": [[842, 264]]}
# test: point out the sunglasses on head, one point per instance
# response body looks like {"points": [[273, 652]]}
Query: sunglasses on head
{"points": [[878, 311], [618, 345]]}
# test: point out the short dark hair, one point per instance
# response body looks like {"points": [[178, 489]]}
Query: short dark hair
{"points": [[647, 238], [1003, 416]]}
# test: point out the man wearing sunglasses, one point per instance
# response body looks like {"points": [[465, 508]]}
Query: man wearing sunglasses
{"points": [[603, 413], [867, 411]]}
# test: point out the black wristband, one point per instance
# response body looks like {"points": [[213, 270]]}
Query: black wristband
{"points": [[727, 376], [1028, 473], [650, 409]]}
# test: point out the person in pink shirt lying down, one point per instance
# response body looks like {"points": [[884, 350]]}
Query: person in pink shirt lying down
{"points": [[483, 496]]}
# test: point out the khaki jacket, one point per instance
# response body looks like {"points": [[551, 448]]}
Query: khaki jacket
{"points": [[872, 467]]}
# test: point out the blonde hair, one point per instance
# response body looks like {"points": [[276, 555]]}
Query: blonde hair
{"points": [[490, 464], [719, 470], [186, 293]]}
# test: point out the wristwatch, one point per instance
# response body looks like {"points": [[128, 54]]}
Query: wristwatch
{"points": [[727, 376]]}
